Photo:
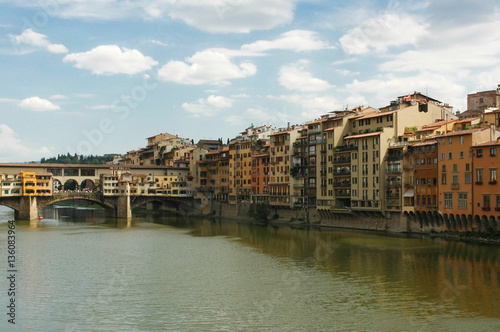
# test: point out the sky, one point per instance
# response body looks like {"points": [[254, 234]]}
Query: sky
{"points": [[100, 76]]}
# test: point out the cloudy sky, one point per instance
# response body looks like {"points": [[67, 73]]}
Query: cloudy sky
{"points": [[95, 76]]}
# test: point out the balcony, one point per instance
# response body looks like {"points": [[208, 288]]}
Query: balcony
{"points": [[312, 131], [492, 182], [342, 160], [342, 172], [342, 193], [395, 170], [300, 144], [394, 183], [350, 147], [342, 184], [394, 158], [455, 186]]}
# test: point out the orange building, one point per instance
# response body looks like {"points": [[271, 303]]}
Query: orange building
{"points": [[486, 187], [426, 176], [260, 174], [455, 171]]}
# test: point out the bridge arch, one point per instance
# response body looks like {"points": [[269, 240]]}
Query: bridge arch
{"points": [[174, 205], [71, 185], [46, 202], [88, 184], [56, 185]]}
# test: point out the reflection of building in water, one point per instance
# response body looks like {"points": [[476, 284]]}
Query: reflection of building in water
{"points": [[435, 277], [471, 275]]}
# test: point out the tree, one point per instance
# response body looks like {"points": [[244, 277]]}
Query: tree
{"points": [[261, 211]]}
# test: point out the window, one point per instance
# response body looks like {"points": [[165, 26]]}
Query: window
{"points": [[479, 175], [443, 178], [450, 155], [493, 175], [497, 199], [448, 200], [479, 153], [468, 177], [455, 168], [467, 167], [486, 202], [444, 169], [461, 155], [442, 155], [461, 139], [450, 140], [462, 200], [493, 152], [455, 179]]}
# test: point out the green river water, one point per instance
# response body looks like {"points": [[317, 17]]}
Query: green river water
{"points": [[77, 271]]}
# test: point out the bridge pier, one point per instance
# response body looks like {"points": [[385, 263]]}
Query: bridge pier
{"points": [[123, 209], [28, 209]]}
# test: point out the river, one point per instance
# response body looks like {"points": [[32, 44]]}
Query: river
{"points": [[78, 271]]}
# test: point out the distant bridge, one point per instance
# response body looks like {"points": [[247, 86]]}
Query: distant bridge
{"points": [[116, 204], [120, 206]]}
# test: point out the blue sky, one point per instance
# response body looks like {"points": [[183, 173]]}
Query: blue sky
{"points": [[96, 77]]}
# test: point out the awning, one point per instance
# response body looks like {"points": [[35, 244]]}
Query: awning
{"points": [[409, 193]]}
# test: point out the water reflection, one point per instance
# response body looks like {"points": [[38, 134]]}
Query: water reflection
{"points": [[185, 274], [444, 274]]}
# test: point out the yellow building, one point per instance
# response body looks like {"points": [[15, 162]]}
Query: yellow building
{"points": [[240, 167], [280, 182], [28, 179]]}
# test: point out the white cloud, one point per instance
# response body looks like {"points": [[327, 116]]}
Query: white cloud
{"points": [[102, 107], [294, 77], [381, 32], [157, 42], [215, 16], [233, 16], [209, 106], [295, 40], [208, 66], [111, 59], [385, 88], [449, 50], [12, 149], [58, 97], [312, 105], [33, 40], [345, 72], [38, 104]]}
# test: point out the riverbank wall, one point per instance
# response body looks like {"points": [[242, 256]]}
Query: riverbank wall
{"points": [[371, 221]]}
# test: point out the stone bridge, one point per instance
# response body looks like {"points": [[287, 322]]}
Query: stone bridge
{"points": [[119, 206]]}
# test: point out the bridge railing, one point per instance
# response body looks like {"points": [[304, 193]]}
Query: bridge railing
{"points": [[81, 195]]}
